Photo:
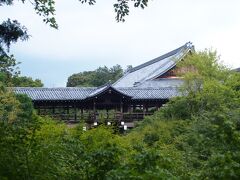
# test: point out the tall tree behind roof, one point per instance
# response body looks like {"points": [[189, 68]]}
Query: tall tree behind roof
{"points": [[100, 76]]}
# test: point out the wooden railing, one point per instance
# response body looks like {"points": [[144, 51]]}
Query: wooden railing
{"points": [[101, 117]]}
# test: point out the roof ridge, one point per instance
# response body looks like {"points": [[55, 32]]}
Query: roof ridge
{"points": [[159, 58]]}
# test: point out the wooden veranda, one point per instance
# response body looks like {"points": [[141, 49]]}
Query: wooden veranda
{"points": [[98, 111], [98, 105]]}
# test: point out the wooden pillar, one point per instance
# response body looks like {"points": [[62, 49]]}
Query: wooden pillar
{"points": [[107, 114], [129, 108], [121, 107], [94, 106], [53, 112], [94, 110], [121, 110], [144, 109], [75, 112], [134, 108], [67, 109], [68, 117], [45, 111], [81, 113]]}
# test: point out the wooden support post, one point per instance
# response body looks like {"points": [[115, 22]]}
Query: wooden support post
{"points": [[121, 110], [121, 107], [107, 114], [75, 112], [81, 113], [53, 112], [94, 111], [134, 108], [67, 109], [144, 109], [68, 117], [94, 107], [45, 111], [129, 109]]}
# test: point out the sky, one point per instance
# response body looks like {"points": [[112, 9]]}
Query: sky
{"points": [[89, 36]]}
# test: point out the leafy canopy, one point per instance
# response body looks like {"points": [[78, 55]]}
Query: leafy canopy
{"points": [[99, 77], [10, 75]]}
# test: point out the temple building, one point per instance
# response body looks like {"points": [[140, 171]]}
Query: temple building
{"points": [[141, 91]]}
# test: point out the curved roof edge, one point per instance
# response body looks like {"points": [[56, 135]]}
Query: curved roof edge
{"points": [[104, 89]]}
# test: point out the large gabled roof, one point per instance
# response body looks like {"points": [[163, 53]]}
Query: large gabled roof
{"points": [[154, 68]]}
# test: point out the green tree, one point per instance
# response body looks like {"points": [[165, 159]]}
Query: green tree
{"points": [[11, 32], [81, 79], [23, 81], [104, 75], [211, 107], [17, 125], [9, 106], [8, 69], [10, 74], [99, 77]]}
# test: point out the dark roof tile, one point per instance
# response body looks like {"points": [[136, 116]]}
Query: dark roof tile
{"points": [[41, 94]]}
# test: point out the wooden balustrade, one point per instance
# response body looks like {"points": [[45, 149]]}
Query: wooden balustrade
{"points": [[91, 117]]}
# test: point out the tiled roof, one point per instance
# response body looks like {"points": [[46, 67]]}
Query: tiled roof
{"points": [[139, 83], [79, 93], [171, 53], [103, 89], [151, 93], [161, 83], [154, 68], [38, 94], [98, 91]]}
